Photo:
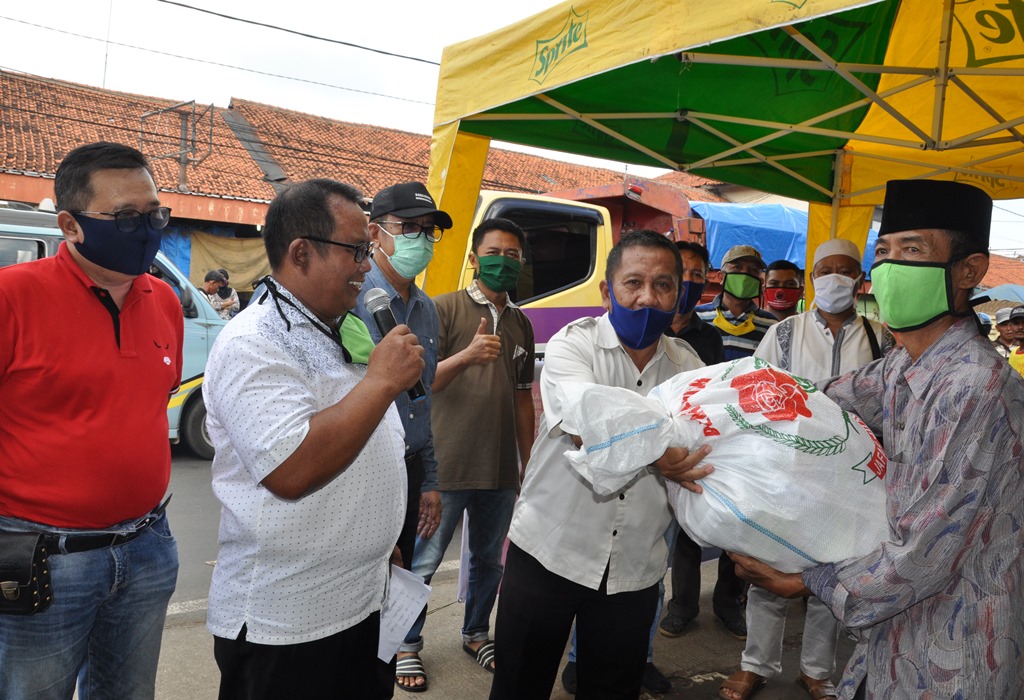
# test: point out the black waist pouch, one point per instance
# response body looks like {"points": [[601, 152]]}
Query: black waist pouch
{"points": [[24, 574]]}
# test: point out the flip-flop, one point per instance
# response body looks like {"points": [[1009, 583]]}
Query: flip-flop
{"points": [[743, 683], [410, 667], [484, 655]]}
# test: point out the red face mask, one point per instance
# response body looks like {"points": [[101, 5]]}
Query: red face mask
{"points": [[782, 298]]}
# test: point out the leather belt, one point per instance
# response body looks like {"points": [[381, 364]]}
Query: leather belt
{"points": [[57, 543]]}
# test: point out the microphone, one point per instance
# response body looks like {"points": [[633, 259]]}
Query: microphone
{"points": [[378, 304]]}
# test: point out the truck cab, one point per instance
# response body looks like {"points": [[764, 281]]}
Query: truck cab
{"points": [[567, 244], [27, 235]]}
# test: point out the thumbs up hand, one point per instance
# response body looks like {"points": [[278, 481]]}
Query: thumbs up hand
{"points": [[484, 347]]}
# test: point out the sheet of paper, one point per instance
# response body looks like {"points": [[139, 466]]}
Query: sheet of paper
{"points": [[407, 595]]}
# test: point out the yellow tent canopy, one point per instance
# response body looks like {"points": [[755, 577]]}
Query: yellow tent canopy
{"points": [[820, 100]]}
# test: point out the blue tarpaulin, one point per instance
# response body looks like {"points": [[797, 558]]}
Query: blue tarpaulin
{"points": [[777, 231]]}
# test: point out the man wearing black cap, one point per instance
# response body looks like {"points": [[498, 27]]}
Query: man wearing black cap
{"points": [[938, 606], [404, 224]]}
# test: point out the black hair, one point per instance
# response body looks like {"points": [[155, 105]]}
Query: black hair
{"points": [[642, 238], [506, 225], [303, 211], [72, 186], [963, 244], [786, 265], [696, 249]]}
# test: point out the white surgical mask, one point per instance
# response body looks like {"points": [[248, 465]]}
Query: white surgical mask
{"points": [[834, 293]]}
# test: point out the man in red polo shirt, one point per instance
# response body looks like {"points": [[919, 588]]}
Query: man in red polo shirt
{"points": [[90, 349]]}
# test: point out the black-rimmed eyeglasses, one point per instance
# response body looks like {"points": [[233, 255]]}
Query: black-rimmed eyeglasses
{"points": [[359, 250], [410, 229], [129, 220]]}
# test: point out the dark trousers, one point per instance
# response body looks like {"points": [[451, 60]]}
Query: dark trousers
{"points": [[729, 589], [339, 666], [535, 613], [862, 691], [406, 544]]}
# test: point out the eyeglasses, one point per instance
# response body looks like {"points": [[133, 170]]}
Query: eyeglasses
{"points": [[411, 229], [359, 250], [129, 220]]}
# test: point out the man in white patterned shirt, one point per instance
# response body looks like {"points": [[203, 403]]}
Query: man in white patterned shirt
{"points": [[309, 466]]}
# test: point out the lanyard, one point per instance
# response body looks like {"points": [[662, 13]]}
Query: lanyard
{"points": [[275, 293]]}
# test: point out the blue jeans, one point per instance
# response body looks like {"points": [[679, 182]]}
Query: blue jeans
{"points": [[103, 629], [490, 514]]}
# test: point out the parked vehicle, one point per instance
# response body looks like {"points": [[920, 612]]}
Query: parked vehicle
{"points": [[566, 247], [27, 235]]}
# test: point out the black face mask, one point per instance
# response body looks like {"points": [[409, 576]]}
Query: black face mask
{"points": [[112, 249]]}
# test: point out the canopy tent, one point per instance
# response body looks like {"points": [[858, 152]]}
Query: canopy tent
{"points": [[820, 100]]}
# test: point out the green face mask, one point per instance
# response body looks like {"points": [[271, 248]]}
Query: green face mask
{"points": [[498, 272], [411, 255], [742, 285], [911, 295]]}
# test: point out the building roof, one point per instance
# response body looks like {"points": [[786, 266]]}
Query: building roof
{"points": [[373, 157], [45, 119], [1003, 270], [253, 149]]}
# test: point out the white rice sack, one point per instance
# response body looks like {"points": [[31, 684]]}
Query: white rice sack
{"points": [[798, 481]]}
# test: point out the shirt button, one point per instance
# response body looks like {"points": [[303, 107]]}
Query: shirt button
{"points": [[614, 533], [411, 416], [622, 496], [639, 382]]}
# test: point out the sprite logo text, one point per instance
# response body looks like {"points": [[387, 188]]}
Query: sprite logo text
{"points": [[550, 52], [993, 31]]}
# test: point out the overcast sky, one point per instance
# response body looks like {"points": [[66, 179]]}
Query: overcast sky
{"points": [[169, 51]]}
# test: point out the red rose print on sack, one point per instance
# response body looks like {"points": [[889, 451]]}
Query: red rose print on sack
{"points": [[696, 413], [877, 462], [772, 393]]}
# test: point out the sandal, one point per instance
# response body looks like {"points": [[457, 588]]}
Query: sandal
{"points": [[484, 655], [818, 690], [743, 683], [410, 667]]}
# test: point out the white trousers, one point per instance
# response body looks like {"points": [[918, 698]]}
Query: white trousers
{"points": [[766, 625]]}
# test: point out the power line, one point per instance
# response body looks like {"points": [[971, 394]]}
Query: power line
{"points": [[215, 63], [298, 33]]}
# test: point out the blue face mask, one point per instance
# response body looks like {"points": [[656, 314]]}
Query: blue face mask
{"points": [[692, 292], [112, 249], [638, 328]]}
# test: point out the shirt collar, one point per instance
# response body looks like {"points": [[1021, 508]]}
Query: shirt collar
{"points": [[920, 374], [717, 304], [140, 285], [822, 322], [376, 278], [478, 296]]}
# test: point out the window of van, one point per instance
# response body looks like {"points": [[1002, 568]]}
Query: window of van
{"points": [[19, 250], [561, 241]]}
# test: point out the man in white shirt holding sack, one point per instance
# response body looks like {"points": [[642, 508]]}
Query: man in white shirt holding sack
{"points": [[828, 340], [573, 553]]}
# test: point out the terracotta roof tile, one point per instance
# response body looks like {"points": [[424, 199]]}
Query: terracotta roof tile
{"points": [[45, 119], [41, 120], [1003, 270], [373, 157]]}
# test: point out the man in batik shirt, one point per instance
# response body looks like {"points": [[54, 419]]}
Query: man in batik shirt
{"points": [[938, 607]]}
